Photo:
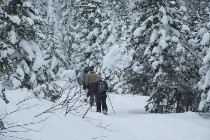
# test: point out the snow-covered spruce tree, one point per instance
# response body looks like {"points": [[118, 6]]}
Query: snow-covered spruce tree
{"points": [[94, 36], [203, 38], [204, 83], [74, 30], [197, 12], [98, 38], [120, 10], [79, 31], [4, 48], [4, 60], [54, 45], [68, 22], [20, 34], [117, 58], [160, 58], [138, 75], [92, 15]]}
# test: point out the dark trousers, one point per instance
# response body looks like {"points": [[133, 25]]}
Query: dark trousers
{"points": [[91, 100], [101, 102], [92, 90]]}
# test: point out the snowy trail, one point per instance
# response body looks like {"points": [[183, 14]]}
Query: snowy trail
{"points": [[130, 122], [134, 123]]}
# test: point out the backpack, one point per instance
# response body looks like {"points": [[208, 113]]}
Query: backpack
{"points": [[102, 86]]}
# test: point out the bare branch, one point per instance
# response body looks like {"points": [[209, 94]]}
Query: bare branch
{"points": [[14, 127], [73, 96]]}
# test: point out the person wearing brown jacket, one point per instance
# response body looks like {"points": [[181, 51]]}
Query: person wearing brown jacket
{"points": [[91, 82]]}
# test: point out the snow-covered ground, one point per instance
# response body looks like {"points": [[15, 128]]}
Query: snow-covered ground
{"points": [[128, 121]]}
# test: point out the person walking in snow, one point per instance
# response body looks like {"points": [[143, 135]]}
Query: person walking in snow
{"points": [[101, 96], [91, 82], [84, 75]]}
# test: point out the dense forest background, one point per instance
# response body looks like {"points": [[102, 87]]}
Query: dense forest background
{"points": [[156, 48]]}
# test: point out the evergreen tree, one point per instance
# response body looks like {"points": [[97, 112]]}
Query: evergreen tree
{"points": [[54, 45], [93, 38], [204, 71], [161, 57], [203, 37], [24, 59], [19, 33]]}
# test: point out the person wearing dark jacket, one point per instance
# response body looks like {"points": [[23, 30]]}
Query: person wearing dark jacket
{"points": [[84, 75], [101, 99], [91, 82]]}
